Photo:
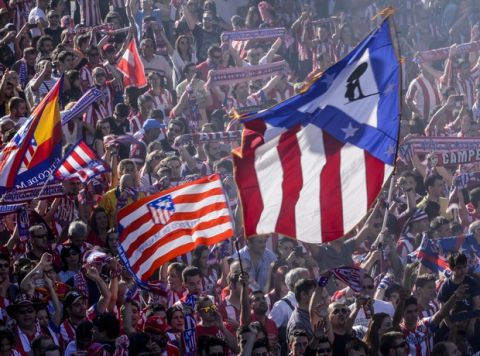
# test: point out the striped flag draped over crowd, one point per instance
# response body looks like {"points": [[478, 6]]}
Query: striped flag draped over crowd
{"points": [[311, 166], [158, 228], [81, 163]]}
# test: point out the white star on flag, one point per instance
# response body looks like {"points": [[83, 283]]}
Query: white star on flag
{"points": [[349, 130], [390, 150]]}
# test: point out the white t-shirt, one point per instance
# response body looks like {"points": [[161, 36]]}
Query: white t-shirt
{"points": [[379, 306], [158, 63]]}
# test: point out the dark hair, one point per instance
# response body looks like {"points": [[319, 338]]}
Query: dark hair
{"points": [[190, 271], [171, 311], [430, 180], [356, 344], [371, 337], [423, 279], [138, 342], [66, 252], [7, 334], [410, 300], [42, 40], [440, 349], [394, 288], [475, 196], [212, 49], [107, 322], [388, 341], [62, 56], [15, 102], [456, 259], [37, 342], [296, 333], [432, 209], [303, 285], [197, 254]]}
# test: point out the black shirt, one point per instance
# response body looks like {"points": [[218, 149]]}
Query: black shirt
{"points": [[449, 287]]}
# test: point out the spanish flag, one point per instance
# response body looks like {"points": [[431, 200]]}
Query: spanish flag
{"points": [[31, 156]]}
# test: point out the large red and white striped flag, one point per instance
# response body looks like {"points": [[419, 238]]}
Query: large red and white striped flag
{"points": [[81, 163], [158, 228], [131, 66], [311, 166]]}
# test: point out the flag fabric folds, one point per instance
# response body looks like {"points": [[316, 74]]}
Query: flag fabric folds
{"points": [[311, 166], [27, 159], [155, 229], [433, 253], [131, 66], [81, 163]]}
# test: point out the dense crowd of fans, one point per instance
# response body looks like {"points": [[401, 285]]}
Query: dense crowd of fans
{"points": [[63, 291]]}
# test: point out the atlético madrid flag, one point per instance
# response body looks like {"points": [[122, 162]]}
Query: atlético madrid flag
{"points": [[131, 66], [158, 228], [311, 166]]}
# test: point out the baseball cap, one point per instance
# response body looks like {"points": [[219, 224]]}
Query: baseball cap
{"points": [[72, 297], [150, 124]]}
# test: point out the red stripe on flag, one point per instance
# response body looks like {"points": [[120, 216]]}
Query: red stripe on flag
{"points": [[177, 234], [81, 162], [68, 167], [196, 197], [374, 176], [290, 154], [331, 208], [157, 227], [185, 249], [246, 176]]}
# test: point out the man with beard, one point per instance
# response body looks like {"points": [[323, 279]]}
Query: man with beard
{"points": [[259, 309], [75, 308]]}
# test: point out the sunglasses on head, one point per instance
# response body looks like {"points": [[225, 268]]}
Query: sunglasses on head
{"points": [[210, 308]]}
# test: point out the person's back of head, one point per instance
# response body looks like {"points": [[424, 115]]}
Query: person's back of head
{"points": [[445, 348]]}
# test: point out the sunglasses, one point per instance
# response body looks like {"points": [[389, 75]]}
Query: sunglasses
{"points": [[72, 253], [43, 236], [342, 311], [210, 308]]}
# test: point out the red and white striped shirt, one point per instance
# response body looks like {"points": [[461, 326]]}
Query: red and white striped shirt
{"points": [[163, 101], [90, 12], [228, 310], [67, 332], [419, 340], [424, 94]]}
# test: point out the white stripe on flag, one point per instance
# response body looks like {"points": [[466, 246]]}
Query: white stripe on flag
{"points": [[307, 211], [134, 235], [270, 177], [192, 189], [179, 242], [353, 178]]}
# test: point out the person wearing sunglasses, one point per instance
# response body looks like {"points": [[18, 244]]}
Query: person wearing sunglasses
{"points": [[211, 323], [338, 316]]}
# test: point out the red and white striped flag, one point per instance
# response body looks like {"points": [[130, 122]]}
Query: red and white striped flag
{"points": [[131, 66], [81, 163], [158, 228]]}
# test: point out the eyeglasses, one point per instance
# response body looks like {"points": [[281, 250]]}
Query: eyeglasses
{"points": [[210, 308], [402, 345], [217, 57], [324, 350], [43, 236], [53, 17], [338, 311]]}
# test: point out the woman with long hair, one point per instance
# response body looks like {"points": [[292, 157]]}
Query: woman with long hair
{"points": [[253, 18], [102, 129], [99, 227], [208, 274], [379, 324], [70, 257], [176, 321]]}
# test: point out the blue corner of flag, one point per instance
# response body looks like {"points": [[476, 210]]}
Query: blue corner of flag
{"points": [[356, 100]]}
